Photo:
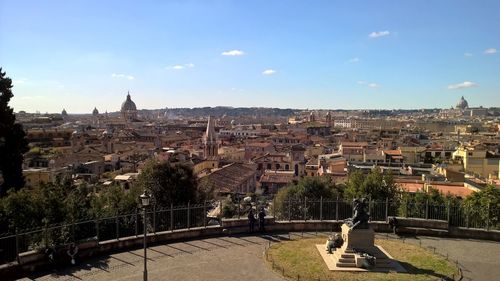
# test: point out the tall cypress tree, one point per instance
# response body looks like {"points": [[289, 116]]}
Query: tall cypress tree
{"points": [[13, 142]]}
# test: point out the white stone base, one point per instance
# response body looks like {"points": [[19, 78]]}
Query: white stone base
{"points": [[346, 259]]}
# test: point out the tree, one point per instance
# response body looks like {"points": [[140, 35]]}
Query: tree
{"points": [[288, 198], [169, 183], [420, 202], [376, 185], [483, 207], [13, 142], [113, 200]]}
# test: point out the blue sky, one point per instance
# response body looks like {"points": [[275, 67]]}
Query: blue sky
{"points": [[299, 54]]}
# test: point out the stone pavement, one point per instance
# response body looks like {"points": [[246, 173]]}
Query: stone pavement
{"points": [[220, 258], [241, 258], [479, 259]]}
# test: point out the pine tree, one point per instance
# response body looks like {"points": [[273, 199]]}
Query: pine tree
{"points": [[13, 142]]}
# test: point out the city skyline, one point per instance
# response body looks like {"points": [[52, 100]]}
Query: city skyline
{"points": [[329, 55]]}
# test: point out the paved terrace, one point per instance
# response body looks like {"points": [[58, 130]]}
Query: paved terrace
{"points": [[241, 258]]}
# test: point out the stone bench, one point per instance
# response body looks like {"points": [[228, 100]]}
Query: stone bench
{"points": [[234, 226], [418, 226]]}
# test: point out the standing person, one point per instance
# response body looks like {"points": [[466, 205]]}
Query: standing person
{"points": [[251, 221], [262, 219]]}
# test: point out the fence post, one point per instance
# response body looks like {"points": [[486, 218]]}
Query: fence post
{"points": [[188, 214], [321, 208], [369, 209], [117, 227], [488, 217], [97, 230], [136, 222], [427, 209], [386, 208], [204, 213], [172, 217], [154, 218], [448, 213], [17, 244], [406, 208], [337, 209], [239, 207], [305, 208], [289, 209], [467, 218], [274, 207]]}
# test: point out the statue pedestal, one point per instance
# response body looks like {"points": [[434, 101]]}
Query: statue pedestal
{"points": [[359, 239], [348, 258]]}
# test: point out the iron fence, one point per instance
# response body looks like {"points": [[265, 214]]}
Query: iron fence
{"points": [[102, 229], [338, 210], [189, 216]]}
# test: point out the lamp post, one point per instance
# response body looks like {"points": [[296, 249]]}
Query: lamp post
{"points": [[145, 203]]}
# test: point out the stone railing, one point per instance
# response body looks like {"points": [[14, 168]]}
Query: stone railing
{"points": [[36, 260]]}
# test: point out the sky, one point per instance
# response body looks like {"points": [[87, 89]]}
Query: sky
{"points": [[331, 54]]}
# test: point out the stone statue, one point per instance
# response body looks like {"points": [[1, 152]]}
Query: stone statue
{"points": [[361, 216], [334, 241]]}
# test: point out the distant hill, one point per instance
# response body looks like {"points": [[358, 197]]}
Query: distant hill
{"points": [[230, 111]]}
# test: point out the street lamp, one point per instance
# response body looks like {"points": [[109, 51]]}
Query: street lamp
{"points": [[145, 198]]}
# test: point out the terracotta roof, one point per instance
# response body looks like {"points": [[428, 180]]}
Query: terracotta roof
{"points": [[277, 177], [411, 187], [445, 189], [259, 144], [228, 178], [361, 143], [453, 190], [392, 152]]}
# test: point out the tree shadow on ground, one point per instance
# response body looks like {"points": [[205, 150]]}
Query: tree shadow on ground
{"points": [[66, 269], [415, 270]]}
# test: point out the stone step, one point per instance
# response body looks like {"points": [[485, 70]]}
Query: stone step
{"points": [[346, 264], [347, 255], [346, 260]]}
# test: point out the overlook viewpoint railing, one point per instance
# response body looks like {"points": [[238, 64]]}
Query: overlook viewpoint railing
{"points": [[119, 226]]}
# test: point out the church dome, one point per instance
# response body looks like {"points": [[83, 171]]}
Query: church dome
{"points": [[95, 111], [128, 104], [64, 113], [462, 104]]}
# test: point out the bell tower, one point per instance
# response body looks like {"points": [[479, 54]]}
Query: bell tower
{"points": [[210, 146]]}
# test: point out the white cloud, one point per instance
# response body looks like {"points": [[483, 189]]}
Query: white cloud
{"points": [[181, 66], [354, 60], [19, 81], [490, 51], [463, 85], [233, 53], [468, 55], [269, 72], [377, 34], [120, 75], [373, 85]]}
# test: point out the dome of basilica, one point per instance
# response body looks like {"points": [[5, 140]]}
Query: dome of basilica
{"points": [[462, 104], [128, 104]]}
